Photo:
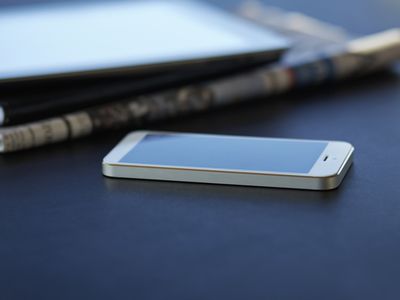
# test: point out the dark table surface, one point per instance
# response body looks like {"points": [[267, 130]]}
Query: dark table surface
{"points": [[66, 232]]}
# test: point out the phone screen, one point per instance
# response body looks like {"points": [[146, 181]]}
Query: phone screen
{"points": [[226, 153]]}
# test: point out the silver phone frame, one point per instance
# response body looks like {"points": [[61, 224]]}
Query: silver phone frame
{"points": [[325, 174]]}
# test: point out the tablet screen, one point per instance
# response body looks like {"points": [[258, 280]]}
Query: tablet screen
{"points": [[65, 38]]}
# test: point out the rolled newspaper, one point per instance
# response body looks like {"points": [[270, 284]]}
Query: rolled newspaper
{"points": [[357, 57]]}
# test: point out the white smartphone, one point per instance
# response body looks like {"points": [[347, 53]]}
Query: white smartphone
{"points": [[238, 160]]}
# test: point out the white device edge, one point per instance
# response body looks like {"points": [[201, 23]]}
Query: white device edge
{"points": [[312, 180]]}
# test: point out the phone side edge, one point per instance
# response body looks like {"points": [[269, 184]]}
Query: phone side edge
{"points": [[201, 176]]}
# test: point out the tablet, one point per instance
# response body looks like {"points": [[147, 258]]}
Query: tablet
{"points": [[61, 40]]}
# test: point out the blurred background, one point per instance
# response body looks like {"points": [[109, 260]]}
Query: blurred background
{"points": [[358, 16]]}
